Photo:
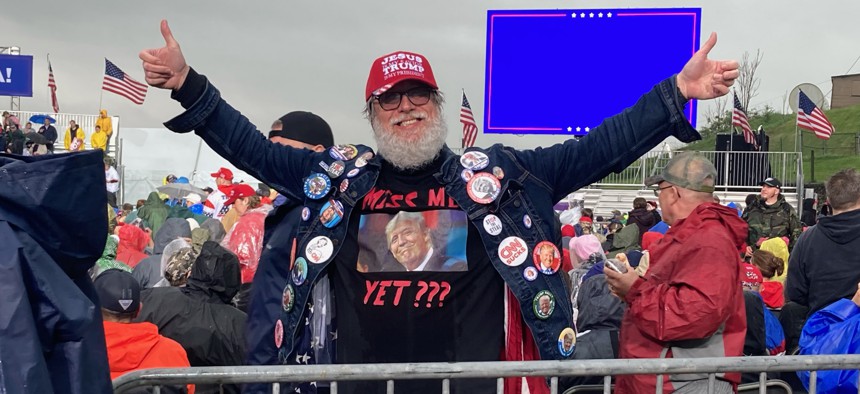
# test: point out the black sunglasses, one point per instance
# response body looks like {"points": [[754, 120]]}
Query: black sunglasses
{"points": [[417, 96]]}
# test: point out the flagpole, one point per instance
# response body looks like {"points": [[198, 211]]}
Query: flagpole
{"points": [[462, 135], [101, 95]]}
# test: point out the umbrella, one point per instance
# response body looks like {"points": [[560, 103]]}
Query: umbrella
{"points": [[36, 138], [180, 190], [40, 119]]}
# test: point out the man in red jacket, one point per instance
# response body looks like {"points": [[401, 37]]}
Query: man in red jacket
{"points": [[133, 346], [689, 303]]}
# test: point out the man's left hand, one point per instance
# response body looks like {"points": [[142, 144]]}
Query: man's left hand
{"points": [[619, 284], [703, 78]]}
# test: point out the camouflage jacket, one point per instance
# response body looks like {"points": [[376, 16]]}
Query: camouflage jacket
{"points": [[769, 221]]}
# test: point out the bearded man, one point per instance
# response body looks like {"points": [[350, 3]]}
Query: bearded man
{"points": [[494, 221]]}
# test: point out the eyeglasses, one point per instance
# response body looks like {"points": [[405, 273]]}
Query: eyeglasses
{"points": [[659, 189], [417, 96]]}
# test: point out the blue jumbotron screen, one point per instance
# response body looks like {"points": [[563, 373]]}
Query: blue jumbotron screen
{"points": [[565, 71]]}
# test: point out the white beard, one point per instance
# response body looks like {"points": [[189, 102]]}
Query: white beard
{"points": [[410, 155]]}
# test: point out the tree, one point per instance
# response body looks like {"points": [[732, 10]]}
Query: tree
{"points": [[748, 83]]}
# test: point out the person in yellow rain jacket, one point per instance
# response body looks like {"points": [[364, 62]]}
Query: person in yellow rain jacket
{"points": [[99, 139], [74, 137], [106, 124]]}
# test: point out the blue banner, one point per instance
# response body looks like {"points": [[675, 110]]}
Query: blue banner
{"points": [[16, 75]]}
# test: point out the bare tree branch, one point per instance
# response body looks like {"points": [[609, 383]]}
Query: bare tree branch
{"points": [[748, 83]]}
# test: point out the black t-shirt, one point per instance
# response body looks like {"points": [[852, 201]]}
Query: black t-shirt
{"points": [[413, 283]]}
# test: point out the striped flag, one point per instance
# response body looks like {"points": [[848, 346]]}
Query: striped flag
{"points": [[120, 83], [810, 117], [739, 119], [52, 84], [470, 129]]}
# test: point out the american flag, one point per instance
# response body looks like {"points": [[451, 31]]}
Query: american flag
{"points": [[810, 117], [739, 119], [120, 83], [470, 129], [52, 84]]}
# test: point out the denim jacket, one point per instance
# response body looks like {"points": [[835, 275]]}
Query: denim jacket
{"points": [[534, 180]]}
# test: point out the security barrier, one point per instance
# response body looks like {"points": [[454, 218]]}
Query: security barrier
{"points": [[553, 370]]}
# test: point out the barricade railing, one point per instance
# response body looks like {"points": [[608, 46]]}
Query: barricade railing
{"points": [[445, 372]]}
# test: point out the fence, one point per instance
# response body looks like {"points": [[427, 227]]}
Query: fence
{"points": [[496, 370], [87, 122]]}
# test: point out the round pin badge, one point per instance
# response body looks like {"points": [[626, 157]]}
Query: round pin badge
{"points": [[527, 221], [513, 251], [483, 188], [492, 224], [530, 273], [543, 304], [335, 169], [343, 185], [331, 213], [343, 152], [498, 172], [566, 342], [353, 172], [288, 298], [474, 160], [546, 257], [319, 249], [279, 333], [367, 156], [306, 214], [360, 162], [300, 271], [317, 186], [467, 175]]}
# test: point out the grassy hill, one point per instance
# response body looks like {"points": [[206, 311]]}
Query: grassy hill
{"points": [[830, 155]]}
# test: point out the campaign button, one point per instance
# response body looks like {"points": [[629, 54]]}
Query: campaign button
{"points": [[331, 213], [492, 224], [467, 175], [530, 273], [343, 185], [319, 249], [288, 298], [343, 152], [279, 333], [353, 172], [317, 186], [513, 251], [543, 304], [566, 341], [335, 169], [527, 221], [498, 172], [474, 160], [300, 271], [306, 214], [483, 188], [360, 162], [367, 156], [546, 257]]}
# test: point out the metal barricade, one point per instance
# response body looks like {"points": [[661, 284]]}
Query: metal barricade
{"points": [[553, 370]]}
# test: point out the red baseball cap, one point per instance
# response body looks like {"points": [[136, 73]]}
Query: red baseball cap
{"points": [[240, 191], [395, 67], [750, 274], [223, 173]]}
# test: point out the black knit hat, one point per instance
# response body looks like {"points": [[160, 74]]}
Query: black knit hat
{"points": [[305, 127]]}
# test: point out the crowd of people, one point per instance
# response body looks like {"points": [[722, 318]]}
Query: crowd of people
{"points": [[411, 253], [27, 141]]}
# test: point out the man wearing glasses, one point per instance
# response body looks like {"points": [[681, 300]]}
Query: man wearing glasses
{"points": [[689, 303], [402, 317]]}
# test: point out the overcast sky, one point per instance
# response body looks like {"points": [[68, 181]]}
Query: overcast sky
{"points": [[272, 57]]}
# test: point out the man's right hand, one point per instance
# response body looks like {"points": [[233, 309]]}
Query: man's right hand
{"points": [[165, 67]]}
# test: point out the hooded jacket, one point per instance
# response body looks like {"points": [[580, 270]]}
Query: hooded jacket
{"points": [[689, 303], [105, 123], [216, 229], [197, 315], [154, 211], [48, 303], [99, 140], [79, 134], [132, 243], [823, 267], [134, 346], [643, 219], [148, 271], [245, 240], [108, 259]]}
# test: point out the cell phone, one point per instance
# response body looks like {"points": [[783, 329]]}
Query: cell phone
{"points": [[616, 265]]}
